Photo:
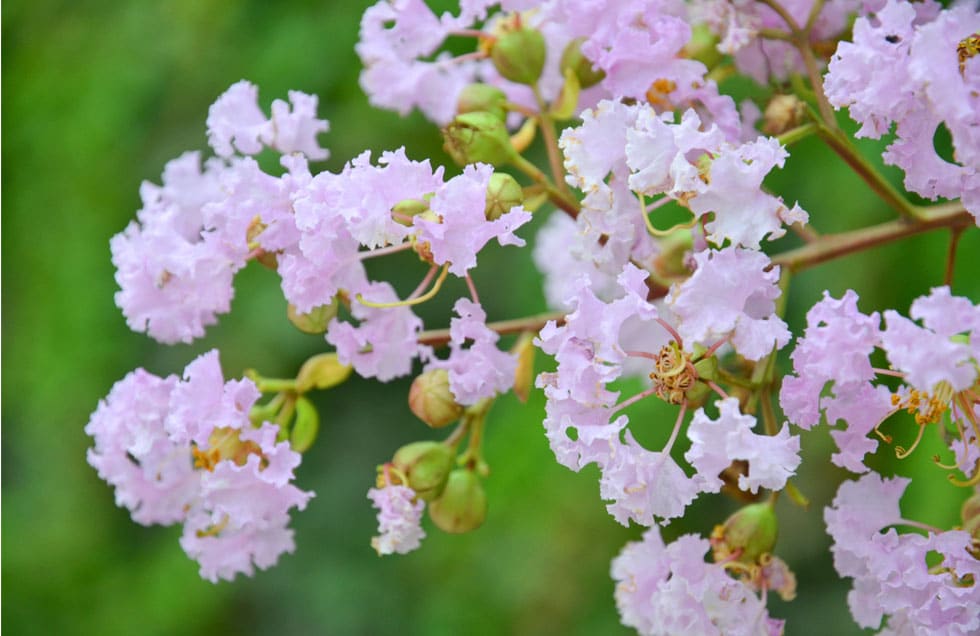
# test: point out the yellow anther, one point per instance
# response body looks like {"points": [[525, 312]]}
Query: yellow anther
{"points": [[967, 48]]}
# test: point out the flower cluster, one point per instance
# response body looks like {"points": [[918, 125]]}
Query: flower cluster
{"points": [[917, 67], [937, 362], [185, 450], [891, 571], [624, 95]]}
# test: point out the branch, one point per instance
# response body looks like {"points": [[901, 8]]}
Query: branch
{"points": [[830, 246]]}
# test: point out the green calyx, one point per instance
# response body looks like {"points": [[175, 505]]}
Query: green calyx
{"points": [[463, 504], [503, 193], [426, 466], [519, 55], [431, 399], [749, 533], [478, 137]]}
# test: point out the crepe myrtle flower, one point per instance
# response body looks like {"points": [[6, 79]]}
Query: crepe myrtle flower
{"points": [[583, 421], [937, 363], [185, 450], [893, 578], [666, 589]]}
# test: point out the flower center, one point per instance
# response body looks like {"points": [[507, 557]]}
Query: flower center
{"points": [[673, 375]]}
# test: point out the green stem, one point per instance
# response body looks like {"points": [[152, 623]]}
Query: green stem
{"points": [[888, 193], [831, 246], [814, 14], [550, 141], [798, 133], [561, 200]]}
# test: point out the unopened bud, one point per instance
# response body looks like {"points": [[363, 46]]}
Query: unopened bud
{"points": [[519, 55], [573, 60], [482, 97], [783, 112], [314, 321], [322, 371], [749, 533], [432, 401], [426, 466], [305, 426], [503, 193], [463, 504], [478, 137]]}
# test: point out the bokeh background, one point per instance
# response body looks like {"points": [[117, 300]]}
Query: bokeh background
{"points": [[98, 95]]}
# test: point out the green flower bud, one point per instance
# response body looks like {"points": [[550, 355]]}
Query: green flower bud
{"points": [[404, 211], [482, 97], [463, 504], [478, 137], [573, 60], [750, 532], [503, 193], [322, 371], [426, 466], [305, 427], [314, 321], [519, 55], [432, 401]]}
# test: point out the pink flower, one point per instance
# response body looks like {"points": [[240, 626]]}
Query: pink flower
{"points": [[715, 444], [462, 229], [187, 451], [399, 519], [236, 123], [481, 370], [152, 475], [731, 294], [890, 571], [384, 344], [667, 590]]}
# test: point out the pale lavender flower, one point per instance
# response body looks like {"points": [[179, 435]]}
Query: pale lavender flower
{"points": [[891, 575], [715, 444], [643, 485], [927, 354], [237, 124], [480, 370], [151, 474], [202, 402], [399, 519], [235, 121], [174, 278], [731, 293], [384, 344], [242, 513], [668, 590], [743, 213], [295, 129], [461, 229]]}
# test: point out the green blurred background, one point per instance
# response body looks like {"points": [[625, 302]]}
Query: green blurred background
{"points": [[98, 96]]}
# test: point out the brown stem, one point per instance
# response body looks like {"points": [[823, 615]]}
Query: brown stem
{"points": [[550, 142], [517, 325], [954, 240], [831, 246], [843, 147]]}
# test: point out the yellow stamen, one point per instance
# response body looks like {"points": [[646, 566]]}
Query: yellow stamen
{"points": [[414, 301]]}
